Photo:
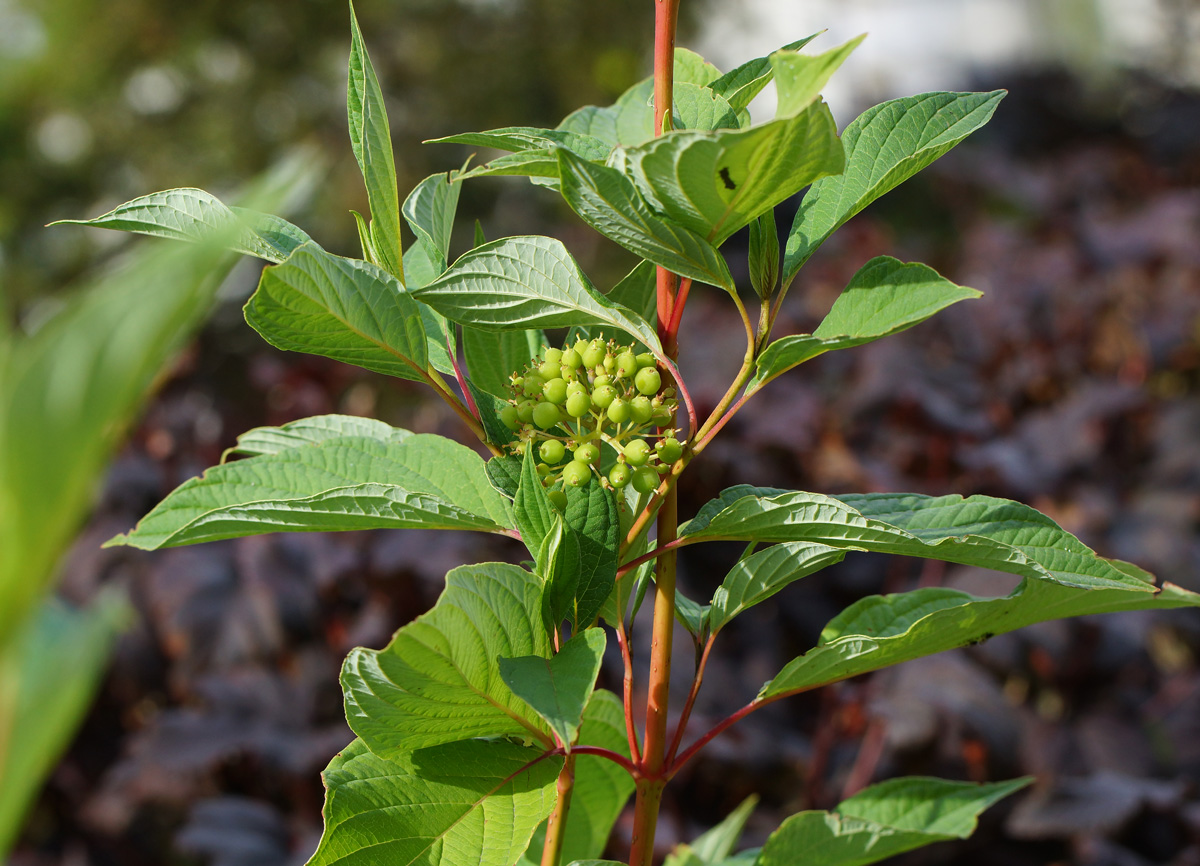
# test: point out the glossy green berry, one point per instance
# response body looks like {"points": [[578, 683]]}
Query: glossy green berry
{"points": [[610, 364], [553, 356], [578, 404], [558, 499], [555, 390], [543, 470], [525, 411], [645, 360], [509, 417], [647, 381], [645, 479], [603, 396], [619, 411], [588, 453], [546, 415], [637, 452], [641, 409], [619, 475], [531, 385], [627, 365], [576, 473], [593, 355], [552, 451], [548, 370], [601, 380], [570, 358], [568, 374], [669, 450]]}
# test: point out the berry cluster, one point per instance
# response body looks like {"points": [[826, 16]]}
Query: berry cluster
{"points": [[570, 400]]}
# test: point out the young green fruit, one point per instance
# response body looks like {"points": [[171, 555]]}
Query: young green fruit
{"points": [[641, 409], [669, 450], [647, 381], [555, 390], [552, 451], [509, 417], [525, 411], [578, 404], [577, 473], [619, 475], [593, 355], [546, 415], [646, 360], [603, 396], [531, 385], [570, 358], [637, 452], [587, 453], [619, 411], [627, 365], [558, 499], [645, 479]]}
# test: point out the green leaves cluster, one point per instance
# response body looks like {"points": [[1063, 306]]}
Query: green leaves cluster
{"points": [[475, 715]]}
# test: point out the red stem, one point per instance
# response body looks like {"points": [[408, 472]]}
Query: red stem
{"points": [[635, 748], [654, 554], [681, 725], [685, 286], [609, 754], [462, 380], [714, 732]]}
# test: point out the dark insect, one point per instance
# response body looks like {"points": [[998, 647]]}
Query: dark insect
{"points": [[729, 184]]}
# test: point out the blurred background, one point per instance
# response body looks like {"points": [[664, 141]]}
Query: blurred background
{"points": [[1073, 385]]}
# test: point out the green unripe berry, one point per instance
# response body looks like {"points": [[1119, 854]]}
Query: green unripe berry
{"points": [[587, 453], [619, 411], [525, 411], [567, 374], [645, 360], [558, 499], [578, 404], [647, 381], [641, 409], [574, 387], [555, 390], [531, 385], [552, 451], [645, 479], [603, 396], [549, 371], [593, 355], [609, 364], [627, 364], [637, 452], [570, 358], [619, 475], [576, 473], [601, 380], [546, 415], [509, 417], [553, 356], [669, 450], [543, 470]]}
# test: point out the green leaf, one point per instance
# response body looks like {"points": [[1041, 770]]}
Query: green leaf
{"points": [[438, 681], [700, 109], [764, 254], [490, 406], [49, 670], [558, 566], [505, 474], [534, 514], [716, 845], [476, 802], [724, 499], [610, 203], [371, 139], [517, 139], [521, 283], [194, 215], [885, 297], [715, 183], [982, 531], [925, 811], [800, 78], [879, 631], [637, 291], [601, 787], [759, 576], [558, 688], [422, 265], [592, 515], [344, 309], [692, 616], [740, 85], [430, 209], [538, 163], [493, 356], [691, 68], [309, 431], [885, 146], [333, 484]]}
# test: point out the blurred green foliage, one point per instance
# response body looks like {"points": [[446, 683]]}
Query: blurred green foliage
{"points": [[101, 100]]}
